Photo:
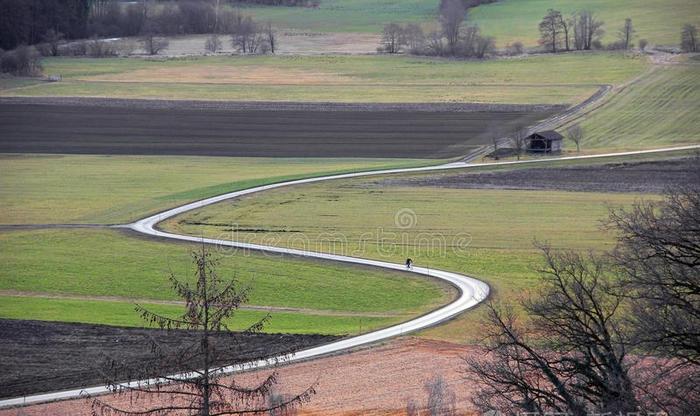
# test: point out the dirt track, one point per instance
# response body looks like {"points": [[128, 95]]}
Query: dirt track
{"points": [[261, 130], [47, 356], [642, 177]]}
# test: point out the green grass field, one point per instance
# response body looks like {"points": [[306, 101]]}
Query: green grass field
{"points": [[498, 226], [340, 78], [97, 271], [90, 265], [49, 189], [659, 21], [660, 109], [123, 314]]}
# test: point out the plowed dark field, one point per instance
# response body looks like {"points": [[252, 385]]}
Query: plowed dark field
{"points": [[255, 131], [38, 357], [641, 177]]}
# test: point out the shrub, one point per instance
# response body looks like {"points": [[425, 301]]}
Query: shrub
{"points": [[23, 61], [213, 44], [643, 44], [97, 48], [515, 48]]}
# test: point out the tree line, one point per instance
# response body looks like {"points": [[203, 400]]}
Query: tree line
{"points": [[28, 21], [581, 31], [149, 23], [454, 38]]}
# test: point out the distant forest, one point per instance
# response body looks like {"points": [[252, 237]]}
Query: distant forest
{"points": [[29, 21]]}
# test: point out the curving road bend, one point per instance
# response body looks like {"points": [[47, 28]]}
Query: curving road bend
{"points": [[471, 291]]}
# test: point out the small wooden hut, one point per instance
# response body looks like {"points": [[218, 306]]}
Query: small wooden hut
{"points": [[548, 141]]}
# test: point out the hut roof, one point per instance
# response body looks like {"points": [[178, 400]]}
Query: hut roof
{"points": [[549, 135]]}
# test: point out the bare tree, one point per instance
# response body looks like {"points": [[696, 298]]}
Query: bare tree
{"points": [[689, 38], [551, 28], [245, 34], [434, 43], [150, 42], [54, 39], [519, 142], [412, 408], [271, 37], [626, 34], [210, 304], [587, 30], [567, 27], [213, 43], [659, 252], [414, 36], [484, 46], [494, 140], [575, 133], [153, 44], [393, 38], [441, 399], [452, 15], [570, 357]]}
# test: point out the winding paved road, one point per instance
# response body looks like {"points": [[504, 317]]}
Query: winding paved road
{"points": [[472, 291]]}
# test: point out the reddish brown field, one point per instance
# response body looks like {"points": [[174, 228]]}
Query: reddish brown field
{"points": [[373, 381]]}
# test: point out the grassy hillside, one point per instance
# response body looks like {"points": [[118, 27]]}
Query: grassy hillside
{"points": [[340, 78], [659, 109], [348, 15], [488, 234], [95, 272], [116, 189], [658, 21]]}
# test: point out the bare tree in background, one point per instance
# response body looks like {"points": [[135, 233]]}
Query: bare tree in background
{"points": [[626, 34], [570, 357], [494, 140], [587, 30], [244, 34], [393, 38], [575, 133], [54, 39], [452, 15], [441, 399], [519, 141], [213, 43], [414, 36], [689, 38], [271, 37], [209, 306], [551, 30], [153, 44], [658, 253], [412, 408]]}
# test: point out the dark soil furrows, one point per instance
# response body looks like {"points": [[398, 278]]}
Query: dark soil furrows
{"points": [[254, 132], [40, 357], [641, 177]]}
